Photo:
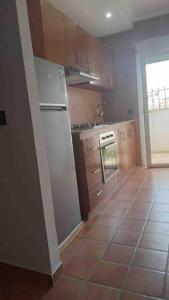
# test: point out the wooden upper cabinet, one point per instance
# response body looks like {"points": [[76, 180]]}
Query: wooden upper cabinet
{"points": [[93, 46], [71, 42], [83, 54], [76, 45], [57, 38], [47, 31]]}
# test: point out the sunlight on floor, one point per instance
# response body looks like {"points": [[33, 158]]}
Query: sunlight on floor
{"points": [[160, 158]]}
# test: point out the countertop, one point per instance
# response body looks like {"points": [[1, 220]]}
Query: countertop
{"points": [[87, 133]]}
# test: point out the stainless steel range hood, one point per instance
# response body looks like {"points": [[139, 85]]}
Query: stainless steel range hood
{"points": [[75, 76]]}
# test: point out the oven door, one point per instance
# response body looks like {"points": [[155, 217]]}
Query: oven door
{"points": [[109, 160]]}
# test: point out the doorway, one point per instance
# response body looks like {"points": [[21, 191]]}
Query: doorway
{"points": [[155, 76]]}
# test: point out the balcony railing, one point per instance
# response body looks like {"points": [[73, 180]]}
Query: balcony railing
{"points": [[158, 99]]}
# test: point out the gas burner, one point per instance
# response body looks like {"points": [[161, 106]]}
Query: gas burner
{"points": [[86, 125]]}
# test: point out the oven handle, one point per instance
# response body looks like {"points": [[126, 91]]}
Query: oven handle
{"points": [[108, 144]]}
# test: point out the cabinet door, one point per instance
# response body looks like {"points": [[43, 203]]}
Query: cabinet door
{"points": [[36, 29], [121, 153], [47, 31], [130, 146], [93, 57], [53, 28], [110, 80], [72, 43], [83, 55]]}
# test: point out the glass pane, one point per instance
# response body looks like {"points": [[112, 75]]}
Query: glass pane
{"points": [[158, 109]]}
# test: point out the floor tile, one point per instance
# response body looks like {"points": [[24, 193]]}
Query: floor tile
{"points": [[112, 212], [155, 242], [119, 254], [132, 225], [141, 205], [85, 230], [83, 261], [97, 292], [167, 288], [162, 197], [80, 267], [137, 214], [108, 221], [143, 196], [130, 238], [157, 228], [101, 233], [159, 216], [145, 282], [109, 274], [160, 207], [65, 289], [150, 259], [90, 248], [132, 296]]}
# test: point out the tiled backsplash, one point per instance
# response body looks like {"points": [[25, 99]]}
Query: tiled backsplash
{"points": [[83, 105]]}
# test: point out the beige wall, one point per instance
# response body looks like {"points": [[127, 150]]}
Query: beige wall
{"points": [[27, 229]]}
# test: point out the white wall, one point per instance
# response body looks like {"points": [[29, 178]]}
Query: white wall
{"points": [[27, 228], [159, 130]]}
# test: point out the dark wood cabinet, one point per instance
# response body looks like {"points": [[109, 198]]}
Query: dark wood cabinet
{"points": [[126, 149], [93, 47], [71, 42], [83, 54], [76, 45], [47, 31], [57, 38], [89, 165]]}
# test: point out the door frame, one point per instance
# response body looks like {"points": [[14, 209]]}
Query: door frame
{"points": [[148, 60], [147, 50]]}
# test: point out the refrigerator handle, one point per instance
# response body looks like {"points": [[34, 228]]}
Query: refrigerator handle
{"points": [[51, 106]]}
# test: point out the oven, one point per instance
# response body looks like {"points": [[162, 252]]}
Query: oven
{"points": [[109, 158]]}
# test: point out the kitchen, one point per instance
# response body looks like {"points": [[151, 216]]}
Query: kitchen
{"points": [[94, 154], [89, 75]]}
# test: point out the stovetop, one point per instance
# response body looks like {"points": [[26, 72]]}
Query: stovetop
{"points": [[85, 126]]}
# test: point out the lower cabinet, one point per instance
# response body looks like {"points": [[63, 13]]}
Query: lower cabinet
{"points": [[89, 165]]}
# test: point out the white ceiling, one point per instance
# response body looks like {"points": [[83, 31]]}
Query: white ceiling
{"points": [[90, 14]]}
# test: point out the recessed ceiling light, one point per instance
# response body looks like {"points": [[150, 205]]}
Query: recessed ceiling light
{"points": [[108, 15]]}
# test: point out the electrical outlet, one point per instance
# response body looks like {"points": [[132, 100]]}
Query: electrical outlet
{"points": [[2, 118]]}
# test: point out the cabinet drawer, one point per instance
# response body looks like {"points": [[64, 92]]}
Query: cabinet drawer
{"points": [[94, 174], [92, 152], [91, 144], [96, 194]]}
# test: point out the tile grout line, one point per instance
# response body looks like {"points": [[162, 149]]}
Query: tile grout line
{"points": [[108, 244], [115, 233], [136, 248]]}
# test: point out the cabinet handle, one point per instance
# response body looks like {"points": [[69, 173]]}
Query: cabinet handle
{"points": [[99, 193], [96, 171], [93, 148]]}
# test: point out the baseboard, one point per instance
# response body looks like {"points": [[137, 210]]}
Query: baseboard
{"points": [[57, 273], [71, 237]]}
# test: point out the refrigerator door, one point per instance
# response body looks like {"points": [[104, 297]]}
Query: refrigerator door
{"points": [[51, 82], [62, 171]]}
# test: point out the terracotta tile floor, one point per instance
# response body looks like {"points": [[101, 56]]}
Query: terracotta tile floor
{"points": [[122, 252]]}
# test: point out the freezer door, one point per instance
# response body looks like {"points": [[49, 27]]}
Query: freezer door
{"points": [[51, 82], [62, 171]]}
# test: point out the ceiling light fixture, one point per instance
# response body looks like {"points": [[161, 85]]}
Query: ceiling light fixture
{"points": [[108, 15]]}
